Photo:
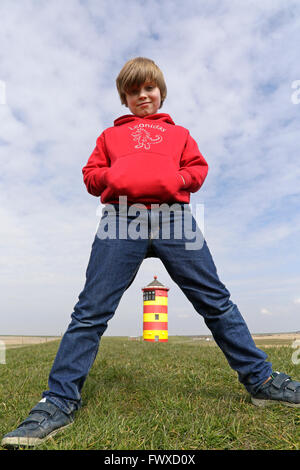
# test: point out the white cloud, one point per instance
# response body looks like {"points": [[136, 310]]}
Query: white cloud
{"points": [[265, 311]]}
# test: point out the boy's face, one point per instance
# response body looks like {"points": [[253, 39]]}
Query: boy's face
{"points": [[144, 100]]}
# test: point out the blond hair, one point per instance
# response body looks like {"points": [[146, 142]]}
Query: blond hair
{"points": [[138, 71]]}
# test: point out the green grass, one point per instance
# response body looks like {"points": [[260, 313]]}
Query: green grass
{"points": [[164, 396]]}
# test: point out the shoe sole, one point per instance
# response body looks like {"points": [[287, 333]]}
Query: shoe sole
{"points": [[14, 442], [263, 403]]}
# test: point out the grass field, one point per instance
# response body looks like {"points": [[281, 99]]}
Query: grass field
{"points": [[179, 395]]}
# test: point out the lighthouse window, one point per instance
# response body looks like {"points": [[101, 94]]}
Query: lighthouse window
{"points": [[149, 295], [157, 316]]}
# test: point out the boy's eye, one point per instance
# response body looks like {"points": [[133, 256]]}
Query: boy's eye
{"points": [[150, 86], [135, 91]]}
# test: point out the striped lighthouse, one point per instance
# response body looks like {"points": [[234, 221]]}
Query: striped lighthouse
{"points": [[155, 315]]}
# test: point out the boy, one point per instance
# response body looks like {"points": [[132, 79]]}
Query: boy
{"points": [[150, 160]]}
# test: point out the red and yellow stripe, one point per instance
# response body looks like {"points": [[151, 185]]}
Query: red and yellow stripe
{"points": [[156, 329]]}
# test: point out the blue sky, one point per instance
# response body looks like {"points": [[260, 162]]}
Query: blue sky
{"points": [[229, 68]]}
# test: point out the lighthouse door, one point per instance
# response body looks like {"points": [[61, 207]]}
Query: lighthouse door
{"points": [[156, 338]]}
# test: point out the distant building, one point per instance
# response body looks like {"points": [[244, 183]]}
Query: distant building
{"points": [[155, 312]]}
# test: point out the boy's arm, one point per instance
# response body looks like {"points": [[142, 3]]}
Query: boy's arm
{"points": [[96, 167], [193, 167]]}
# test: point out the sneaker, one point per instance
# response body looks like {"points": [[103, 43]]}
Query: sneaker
{"points": [[44, 420], [280, 388]]}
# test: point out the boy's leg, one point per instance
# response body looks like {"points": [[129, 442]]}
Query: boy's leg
{"points": [[112, 266], [195, 273]]}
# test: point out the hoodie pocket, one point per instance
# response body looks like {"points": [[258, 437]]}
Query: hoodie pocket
{"points": [[144, 176]]}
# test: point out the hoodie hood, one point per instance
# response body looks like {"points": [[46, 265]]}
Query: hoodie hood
{"points": [[152, 117]]}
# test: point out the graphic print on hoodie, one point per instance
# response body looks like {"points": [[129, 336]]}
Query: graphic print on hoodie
{"points": [[149, 160]]}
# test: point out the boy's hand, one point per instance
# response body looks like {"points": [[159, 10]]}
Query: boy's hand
{"points": [[138, 183], [170, 184]]}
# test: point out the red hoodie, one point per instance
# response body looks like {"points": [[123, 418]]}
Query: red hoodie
{"points": [[149, 160]]}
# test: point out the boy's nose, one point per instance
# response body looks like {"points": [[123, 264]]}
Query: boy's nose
{"points": [[143, 93]]}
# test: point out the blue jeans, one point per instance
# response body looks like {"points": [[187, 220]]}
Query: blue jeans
{"points": [[114, 262]]}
